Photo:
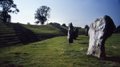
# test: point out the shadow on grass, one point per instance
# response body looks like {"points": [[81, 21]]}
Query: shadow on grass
{"points": [[113, 59], [78, 39], [83, 43]]}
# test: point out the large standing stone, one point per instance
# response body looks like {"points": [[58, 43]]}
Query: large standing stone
{"points": [[99, 31]]}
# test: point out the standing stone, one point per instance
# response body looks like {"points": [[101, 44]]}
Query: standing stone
{"points": [[86, 30], [76, 31], [99, 31], [70, 34]]}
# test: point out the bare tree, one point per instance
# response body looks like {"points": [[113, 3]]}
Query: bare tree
{"points": [[42, 14]]}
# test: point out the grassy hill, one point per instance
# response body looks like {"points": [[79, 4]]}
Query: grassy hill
{"points": [[7, 35], [56, 52], [13, 33], [44, 29]]}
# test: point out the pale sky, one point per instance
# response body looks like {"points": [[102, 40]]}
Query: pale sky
{"points": [[79, 12]]}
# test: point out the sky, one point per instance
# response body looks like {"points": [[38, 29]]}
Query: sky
{"points": [[79, 12]]}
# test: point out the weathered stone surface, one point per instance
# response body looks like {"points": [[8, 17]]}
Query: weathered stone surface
{"points": [[99, 31]]}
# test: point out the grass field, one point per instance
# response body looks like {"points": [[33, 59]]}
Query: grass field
{"points": [[56, 52]]}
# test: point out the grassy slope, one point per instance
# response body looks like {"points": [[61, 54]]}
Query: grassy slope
{"points": [[14, 33], [44, 29], [56, 52], [7, 35]]}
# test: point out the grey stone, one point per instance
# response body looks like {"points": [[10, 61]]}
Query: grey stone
{"points": [[99, 31]]}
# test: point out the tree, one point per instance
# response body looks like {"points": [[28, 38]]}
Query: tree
{"points": [[36, 22], [42, 14], [28, 23], [8, 6], [64, 25], [117, 29]]}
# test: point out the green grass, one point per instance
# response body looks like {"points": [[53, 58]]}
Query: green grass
{"points": [[37, 29], [56, 52], [43, 29]]}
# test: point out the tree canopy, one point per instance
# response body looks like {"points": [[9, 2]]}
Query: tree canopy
{"points": [[42, 14], [7, 6], [64, 25]]}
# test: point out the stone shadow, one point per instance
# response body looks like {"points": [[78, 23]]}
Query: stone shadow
{"points": [[113, 59]]}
